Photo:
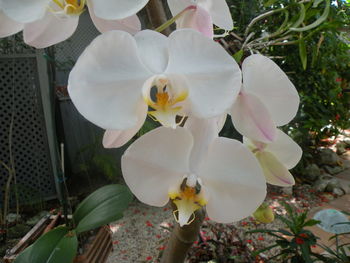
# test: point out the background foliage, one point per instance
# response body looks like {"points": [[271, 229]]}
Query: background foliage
{"points": [[316, 60]]}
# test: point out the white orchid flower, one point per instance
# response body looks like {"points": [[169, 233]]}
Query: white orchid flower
{"points": [[195, 168], [8, 26], [207, 13], [276, 158], [120, 78], [267, 99], [48, 22]]}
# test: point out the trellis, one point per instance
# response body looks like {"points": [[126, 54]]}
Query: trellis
{"points": [[26, 127]]}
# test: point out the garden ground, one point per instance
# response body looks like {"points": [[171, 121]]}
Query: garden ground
{"points": [[142, 234]]}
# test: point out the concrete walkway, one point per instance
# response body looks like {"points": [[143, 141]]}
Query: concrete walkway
{"points": [[341, 204]]}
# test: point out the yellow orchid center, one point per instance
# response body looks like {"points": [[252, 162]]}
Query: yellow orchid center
{"points": [[165, 102], [69, 7], [187, 199]]}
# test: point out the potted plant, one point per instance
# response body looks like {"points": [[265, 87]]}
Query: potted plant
{"points": [[62, 242]]}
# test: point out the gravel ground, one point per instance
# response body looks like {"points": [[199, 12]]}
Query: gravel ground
{"points": [[142, 234]]}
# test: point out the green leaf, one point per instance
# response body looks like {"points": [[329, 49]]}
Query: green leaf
{"points": [[238, 56], [316, 3], [57, 246], [257, 252], [303, 53], [102, 207], [311, 222], [269, 3], [305, 253], [319, 21], [300, 18], [24, 257]]}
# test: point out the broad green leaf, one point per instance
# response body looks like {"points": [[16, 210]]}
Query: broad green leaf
{"points": [[303, 53], [319, 21], [238, 56], [24, 257], [57, 246], [102, 207]]}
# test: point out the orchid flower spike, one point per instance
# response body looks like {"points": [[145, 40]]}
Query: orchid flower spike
{"points": [[276, 158], [267, 99], [207, 13], [119, 79], [195, 168], [48, 22]]}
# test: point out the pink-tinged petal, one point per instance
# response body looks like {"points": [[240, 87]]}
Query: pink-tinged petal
{"points": [[275, 172], [153, 50], [198, 19], [252, 119], [234, 180], [130, 24], [204, 132], [8, 26], [49, 30], [106, 82], [117, 9], [263, 78], [219, 12], [285, 150], [156, 163], [117, 138], [212, 76], [25, 11]]}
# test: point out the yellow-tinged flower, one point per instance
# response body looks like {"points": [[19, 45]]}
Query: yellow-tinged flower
{"points": [[194, 168], [121, 79], [48, 22]]}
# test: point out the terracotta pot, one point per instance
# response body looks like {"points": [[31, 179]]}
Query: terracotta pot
{"points": [[95, 251]]}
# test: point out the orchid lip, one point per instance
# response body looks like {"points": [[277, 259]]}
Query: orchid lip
{"points": [[68, 7], [165, 104], [188, 199]]}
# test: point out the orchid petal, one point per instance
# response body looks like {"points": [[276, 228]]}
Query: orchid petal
{"points": [[117, 138], [129, 24], [204, 132], [263, 78], [252, 119], [153, 50], [275, 172], [285, 150], [25, 11], [156, 163], [49, 30], [234, 180], [106, 82], [220, 13], [218, 10], [198, 19], [176, 6], [213, 77], [117, 9], [8, 26]]}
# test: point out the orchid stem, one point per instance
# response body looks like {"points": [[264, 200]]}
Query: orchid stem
{"points": [[173, 19], [182, 239]]}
